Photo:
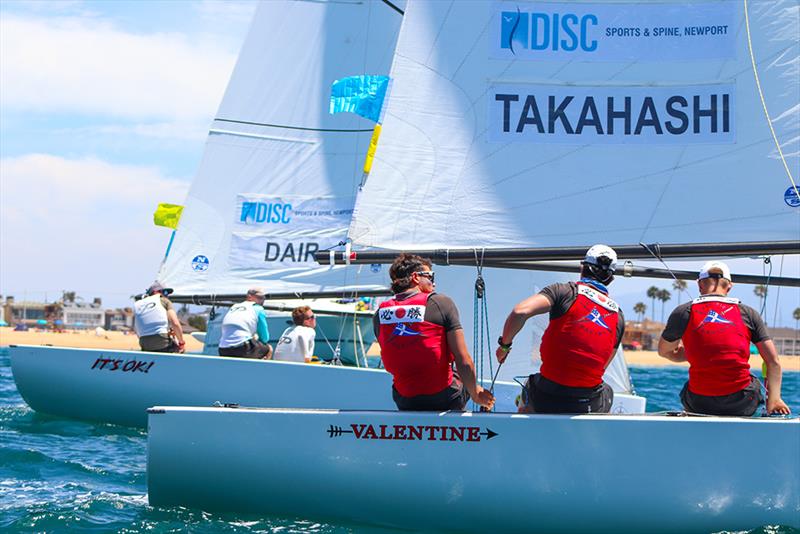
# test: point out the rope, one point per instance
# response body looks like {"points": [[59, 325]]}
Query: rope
{"points": [[763, 101], [767, 261], [657, 255], [480, 321]]}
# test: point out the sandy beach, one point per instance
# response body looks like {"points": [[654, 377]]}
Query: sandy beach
{"points": [[81, 339], [120, 341]]}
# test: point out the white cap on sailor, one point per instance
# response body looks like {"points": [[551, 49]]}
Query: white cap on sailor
{"points": [[715, 267], [598, 251]]}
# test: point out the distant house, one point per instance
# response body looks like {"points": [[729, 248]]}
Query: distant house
{"points": [[83, 315], [24, 311], [787, 340], [645, 333], [119, 319]]}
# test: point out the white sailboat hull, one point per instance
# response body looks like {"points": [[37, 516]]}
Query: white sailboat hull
{"points": [[107, 386], [545, 473]]}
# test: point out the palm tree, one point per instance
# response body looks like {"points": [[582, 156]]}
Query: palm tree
{"points": [[679, 286], [663, 295], [796, 315], [652, 294], [761, 293], [640, 307]]}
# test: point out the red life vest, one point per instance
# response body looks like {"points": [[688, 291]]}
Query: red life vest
{"points": [[717, 345], [413, 350], [577, 346]]}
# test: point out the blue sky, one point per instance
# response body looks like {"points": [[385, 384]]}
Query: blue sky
{"points": [[104, 111]]}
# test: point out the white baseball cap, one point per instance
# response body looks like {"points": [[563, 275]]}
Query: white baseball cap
{"points": [[598, 251], [715, 267]]}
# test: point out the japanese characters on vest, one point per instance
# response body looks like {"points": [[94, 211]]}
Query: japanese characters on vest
{"points": [[414, 350]]}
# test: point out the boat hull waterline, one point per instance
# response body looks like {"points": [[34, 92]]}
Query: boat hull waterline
{"points": [[114, 386], [469, 472]]}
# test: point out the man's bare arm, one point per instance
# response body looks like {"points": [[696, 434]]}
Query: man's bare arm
{"points": [[466, 369]]}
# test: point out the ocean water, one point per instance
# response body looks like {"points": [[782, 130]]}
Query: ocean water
{"points": [[58, 475]]}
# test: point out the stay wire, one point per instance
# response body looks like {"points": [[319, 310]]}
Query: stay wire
{"points": [[657, 255], [767, 261], [778, 296]]}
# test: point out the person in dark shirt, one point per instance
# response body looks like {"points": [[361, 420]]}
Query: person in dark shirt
{"points": [[420, 335], [585, 330], [713, 333]]}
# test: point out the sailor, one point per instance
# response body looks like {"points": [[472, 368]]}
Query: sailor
{"points": [[156, 322], [713, 333], [420, 335], [244, 329], [585, 329], [296, 344]]}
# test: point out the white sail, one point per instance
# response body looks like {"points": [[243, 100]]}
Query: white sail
{"points": [[279, 173], [520, 124]]}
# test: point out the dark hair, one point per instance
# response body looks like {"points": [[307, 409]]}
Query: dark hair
{"points": [[299, 314], [402, 268]]}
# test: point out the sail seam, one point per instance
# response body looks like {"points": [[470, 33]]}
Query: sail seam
{"points": [[287, 127], [763, 102]]}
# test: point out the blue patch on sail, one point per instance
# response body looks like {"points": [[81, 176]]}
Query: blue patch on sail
{"points": [[200, 263], [791, 198], [362, 95]]}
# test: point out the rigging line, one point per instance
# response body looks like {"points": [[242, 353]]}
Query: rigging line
{"points": [[287, 127], [393, 6], [778, 296], [763, 101], [767, 261], [657, 255]]}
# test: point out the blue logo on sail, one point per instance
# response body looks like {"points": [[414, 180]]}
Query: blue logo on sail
{"points": [[596, 318], [547, 31], [791, 198], [402, 330], [200, 263], [714, 317]]}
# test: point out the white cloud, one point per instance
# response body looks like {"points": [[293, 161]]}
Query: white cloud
{"points": [[76, 65], [80, 223]]}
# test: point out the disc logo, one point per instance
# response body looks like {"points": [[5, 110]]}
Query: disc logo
{"points": [[200, 263], [522, 30]]}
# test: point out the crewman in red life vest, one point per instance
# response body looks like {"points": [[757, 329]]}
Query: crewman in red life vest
{"points": [[585, 329], [716, 331], [420, 335]]}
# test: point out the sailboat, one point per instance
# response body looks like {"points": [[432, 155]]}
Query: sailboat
{"points": [[518, 133], [276, 183]]}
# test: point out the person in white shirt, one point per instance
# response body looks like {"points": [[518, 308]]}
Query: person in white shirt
{"points": [[156, 322], [244, 329], [296, 344]]}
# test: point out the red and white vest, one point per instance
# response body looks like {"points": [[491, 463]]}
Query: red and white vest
{"points": [[413, 350], [577, 346], [717, 345]]}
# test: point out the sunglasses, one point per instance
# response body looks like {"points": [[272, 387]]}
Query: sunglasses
{"points": [[430, 275], [309, 317]]}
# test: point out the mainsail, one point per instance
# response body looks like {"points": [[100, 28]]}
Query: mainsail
{"points": [[278, 177], [519, 124]]}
